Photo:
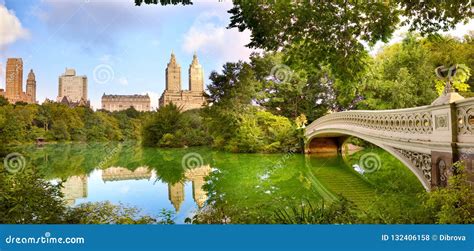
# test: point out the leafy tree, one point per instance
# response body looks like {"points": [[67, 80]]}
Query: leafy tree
{"points": [[25, 198], [166, 120], [455, 203], [341, 211], [332, 33], [108, 213], [3, 101], [402, 76]]}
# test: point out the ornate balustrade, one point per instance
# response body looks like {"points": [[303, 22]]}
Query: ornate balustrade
{"points": [[465, 120]]}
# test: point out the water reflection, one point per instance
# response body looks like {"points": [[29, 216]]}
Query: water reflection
{"points": [[197, 177], [121, 173], [75, 187], [245, 185]]}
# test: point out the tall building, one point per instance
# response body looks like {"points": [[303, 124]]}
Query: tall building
{"points": [[114, 103], [173, 75], [31, 87], [176, 194], [14, 83], [196, 76], [185, 99], [14, 79], [73, 87], [197, 176]]}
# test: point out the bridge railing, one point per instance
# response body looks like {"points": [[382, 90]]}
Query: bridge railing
{"points": [[465, 120], [440, 123], [410, 124]]}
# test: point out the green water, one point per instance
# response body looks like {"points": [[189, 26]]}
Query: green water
{"points": [[247, 186]]}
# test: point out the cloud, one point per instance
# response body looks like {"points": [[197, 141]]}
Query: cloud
{"points": [[10, 27], [209, 35]]}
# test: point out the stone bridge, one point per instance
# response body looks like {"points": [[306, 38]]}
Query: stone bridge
{"points": [[427, 139]]}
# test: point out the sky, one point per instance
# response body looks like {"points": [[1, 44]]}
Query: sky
{"points": [[120, 47]]}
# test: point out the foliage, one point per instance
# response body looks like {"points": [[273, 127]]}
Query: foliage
{"points": [[288, 92], [332, 34], [238, 125], [57, 122], [169, 127], [341, 211], [3, 101], [108, 213], [455, 203], [402, 74], [25, 198], [261, 131], [401, 77]]}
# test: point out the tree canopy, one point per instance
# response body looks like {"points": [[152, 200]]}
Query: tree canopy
{"points": [[328, 32]]}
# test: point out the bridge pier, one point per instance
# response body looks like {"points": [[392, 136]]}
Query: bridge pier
{"points": [[441, 163]]}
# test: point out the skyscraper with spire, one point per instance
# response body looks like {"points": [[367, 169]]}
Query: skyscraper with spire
{"points": [[14, 83], [192, 98]]}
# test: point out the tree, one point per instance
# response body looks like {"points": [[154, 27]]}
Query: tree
{"points": [[455, 203], [3, 101], [108, 213], [402, 76], [332, 33], [26, 198], [166, 120]]}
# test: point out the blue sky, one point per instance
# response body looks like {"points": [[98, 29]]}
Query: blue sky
{"points": [[121, 48], [127, 47]]}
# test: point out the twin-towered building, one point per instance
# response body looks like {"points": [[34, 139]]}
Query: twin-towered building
{"points": [[192, 98], [14, 83], [185, 99]]}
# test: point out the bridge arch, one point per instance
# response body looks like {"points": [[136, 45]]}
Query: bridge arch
{"points": [[338, 136]]}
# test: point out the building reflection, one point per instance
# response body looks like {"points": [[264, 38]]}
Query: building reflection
{"points": [[75, 187], [197, 177], [120, 173]]}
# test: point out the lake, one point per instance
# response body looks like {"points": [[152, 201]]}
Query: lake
{"points": [[249, 186]]}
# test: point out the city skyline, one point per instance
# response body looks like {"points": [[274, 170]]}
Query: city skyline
{"points": [[121, 48], [132, 43]]}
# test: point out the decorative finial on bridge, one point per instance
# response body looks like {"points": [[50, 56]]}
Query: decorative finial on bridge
{"points": [[449, 94]]}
